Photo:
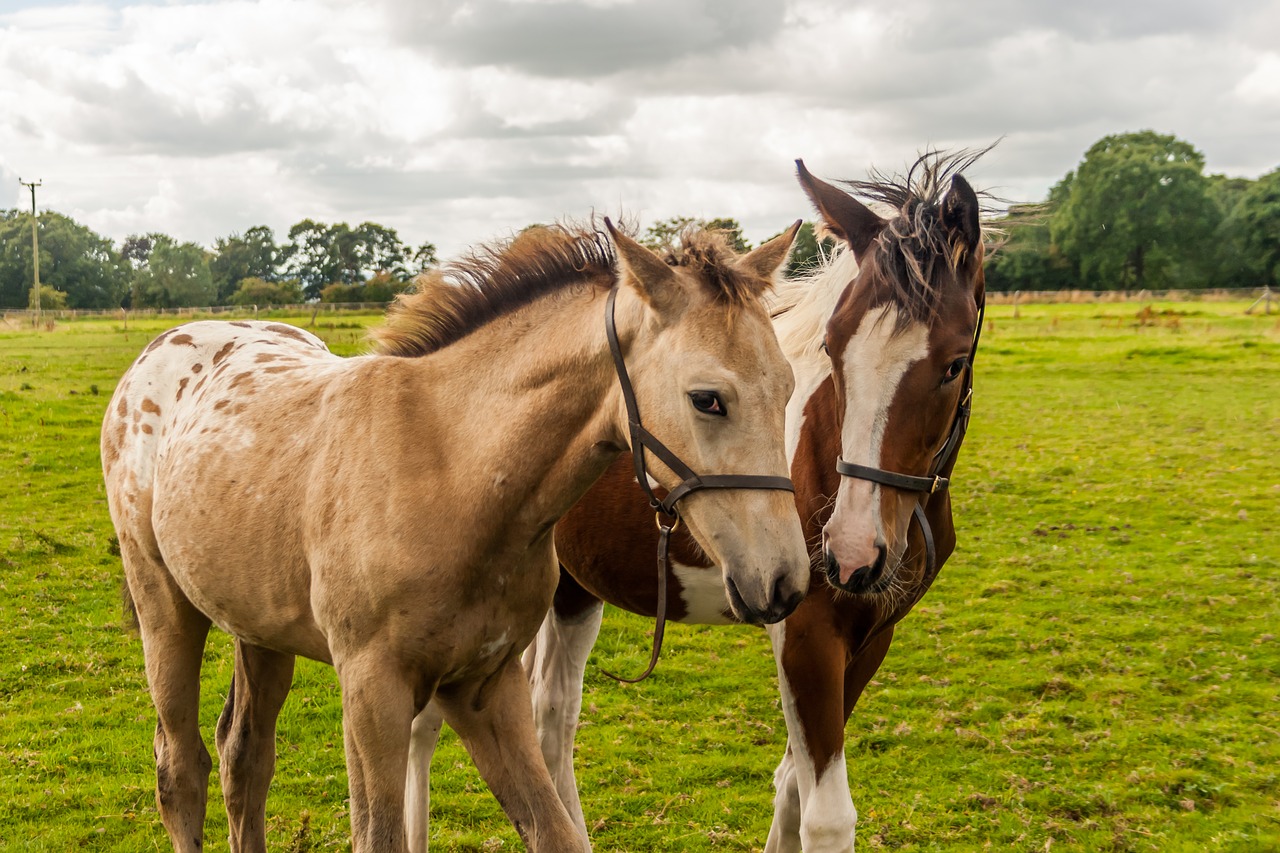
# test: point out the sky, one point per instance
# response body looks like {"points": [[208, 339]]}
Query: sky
{"points": [[461, 122]]}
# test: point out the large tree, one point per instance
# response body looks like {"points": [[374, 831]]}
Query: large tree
{"points": [[1137, 213], [319, 255], [176, 275], [253, 254], [1256, 222], [73, 259]]}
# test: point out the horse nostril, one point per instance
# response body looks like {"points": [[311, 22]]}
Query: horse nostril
{"points": [[832, 564], [784, 600]]}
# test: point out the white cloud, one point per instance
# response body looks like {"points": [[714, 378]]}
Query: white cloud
{"points": [[457, 122]]}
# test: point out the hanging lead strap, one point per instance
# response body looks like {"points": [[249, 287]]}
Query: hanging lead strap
{"points": [[668, 515]]}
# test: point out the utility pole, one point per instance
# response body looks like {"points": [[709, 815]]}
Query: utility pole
{"points": [[35, 242]]}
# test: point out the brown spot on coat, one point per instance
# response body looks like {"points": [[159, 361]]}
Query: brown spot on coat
{"points": [[221, 404], [147, 429], [279, 368], [289, 332], [241, 323], [182, 385], [122, 408], [182, 339], [157, 342], [148, 405], [263, 357], [224, 352], [197, 367]]}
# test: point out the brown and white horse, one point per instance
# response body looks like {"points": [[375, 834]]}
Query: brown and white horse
{"points": [[881, 340], [392, 514]]}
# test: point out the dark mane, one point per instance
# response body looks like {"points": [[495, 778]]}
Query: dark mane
{"points": [[496, 279], [913, 253], [491, 281]]}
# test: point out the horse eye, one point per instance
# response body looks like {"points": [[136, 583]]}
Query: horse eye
{"points": [[824, 347], [708, 402], [955, 369]]}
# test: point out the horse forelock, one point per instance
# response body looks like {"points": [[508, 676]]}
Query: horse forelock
{"points": [[914, 258], [493, 280], [708, 256]]}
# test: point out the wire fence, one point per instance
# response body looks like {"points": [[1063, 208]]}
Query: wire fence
{"points": [[1042, 297], [24, 316]]}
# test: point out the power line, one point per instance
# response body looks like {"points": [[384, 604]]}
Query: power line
{"points": [[35, 243]]}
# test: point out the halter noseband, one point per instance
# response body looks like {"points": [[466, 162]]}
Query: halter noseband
{"points": [[667, 514], [932, 483]]}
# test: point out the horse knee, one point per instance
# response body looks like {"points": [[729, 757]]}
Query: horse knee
{"points": [[832, 832]]}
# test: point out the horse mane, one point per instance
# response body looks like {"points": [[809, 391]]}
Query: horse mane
{"points": [[801, 306], [913, 251], [495, 279]]}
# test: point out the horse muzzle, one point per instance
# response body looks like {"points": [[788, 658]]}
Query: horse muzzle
{"points": [[867, 579]]}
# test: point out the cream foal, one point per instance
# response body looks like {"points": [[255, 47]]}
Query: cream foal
{"points": [[392, 514]]}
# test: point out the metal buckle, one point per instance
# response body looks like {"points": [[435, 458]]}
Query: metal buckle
{"points": [[936, 483], [657, 520]]}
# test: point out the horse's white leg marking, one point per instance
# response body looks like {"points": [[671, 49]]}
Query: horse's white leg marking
{"points": [[827, 814], [784, 832], [556, 662], [422, 746]]}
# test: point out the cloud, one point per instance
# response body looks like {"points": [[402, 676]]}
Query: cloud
{"points": [[453, 122], [581, 39]]}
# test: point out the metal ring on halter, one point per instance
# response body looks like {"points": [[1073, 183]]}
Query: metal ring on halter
{"points": [[657, 520]]}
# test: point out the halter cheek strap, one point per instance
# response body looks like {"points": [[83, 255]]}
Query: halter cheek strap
{"points": [[928, 485], [667, 512]]}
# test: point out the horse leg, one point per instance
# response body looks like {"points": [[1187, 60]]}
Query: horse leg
{"points": [[246, 739], [377, 719], [814, 673], [173, 636], [556, 662], [495, 722], [423, 738], [784, 832]]}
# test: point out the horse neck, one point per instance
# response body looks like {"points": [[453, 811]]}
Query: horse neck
{"points": [[533, 407]]}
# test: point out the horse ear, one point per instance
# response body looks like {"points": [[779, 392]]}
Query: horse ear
{"points": [[644, 271], [845, 216], [961, 216], [765, 260]]}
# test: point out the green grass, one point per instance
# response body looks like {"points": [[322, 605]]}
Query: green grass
{"points": [[1097, 668]]}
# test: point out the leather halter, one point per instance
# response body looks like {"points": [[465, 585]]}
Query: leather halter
{"points": [[667, 513], [932, 483]]}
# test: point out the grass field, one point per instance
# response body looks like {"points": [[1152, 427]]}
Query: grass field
{"points": [[1097, 668]]}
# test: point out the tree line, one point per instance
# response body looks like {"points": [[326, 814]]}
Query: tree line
{"points": [[82, 269], [1140, 213], [327, 262], [1137, 213]]}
